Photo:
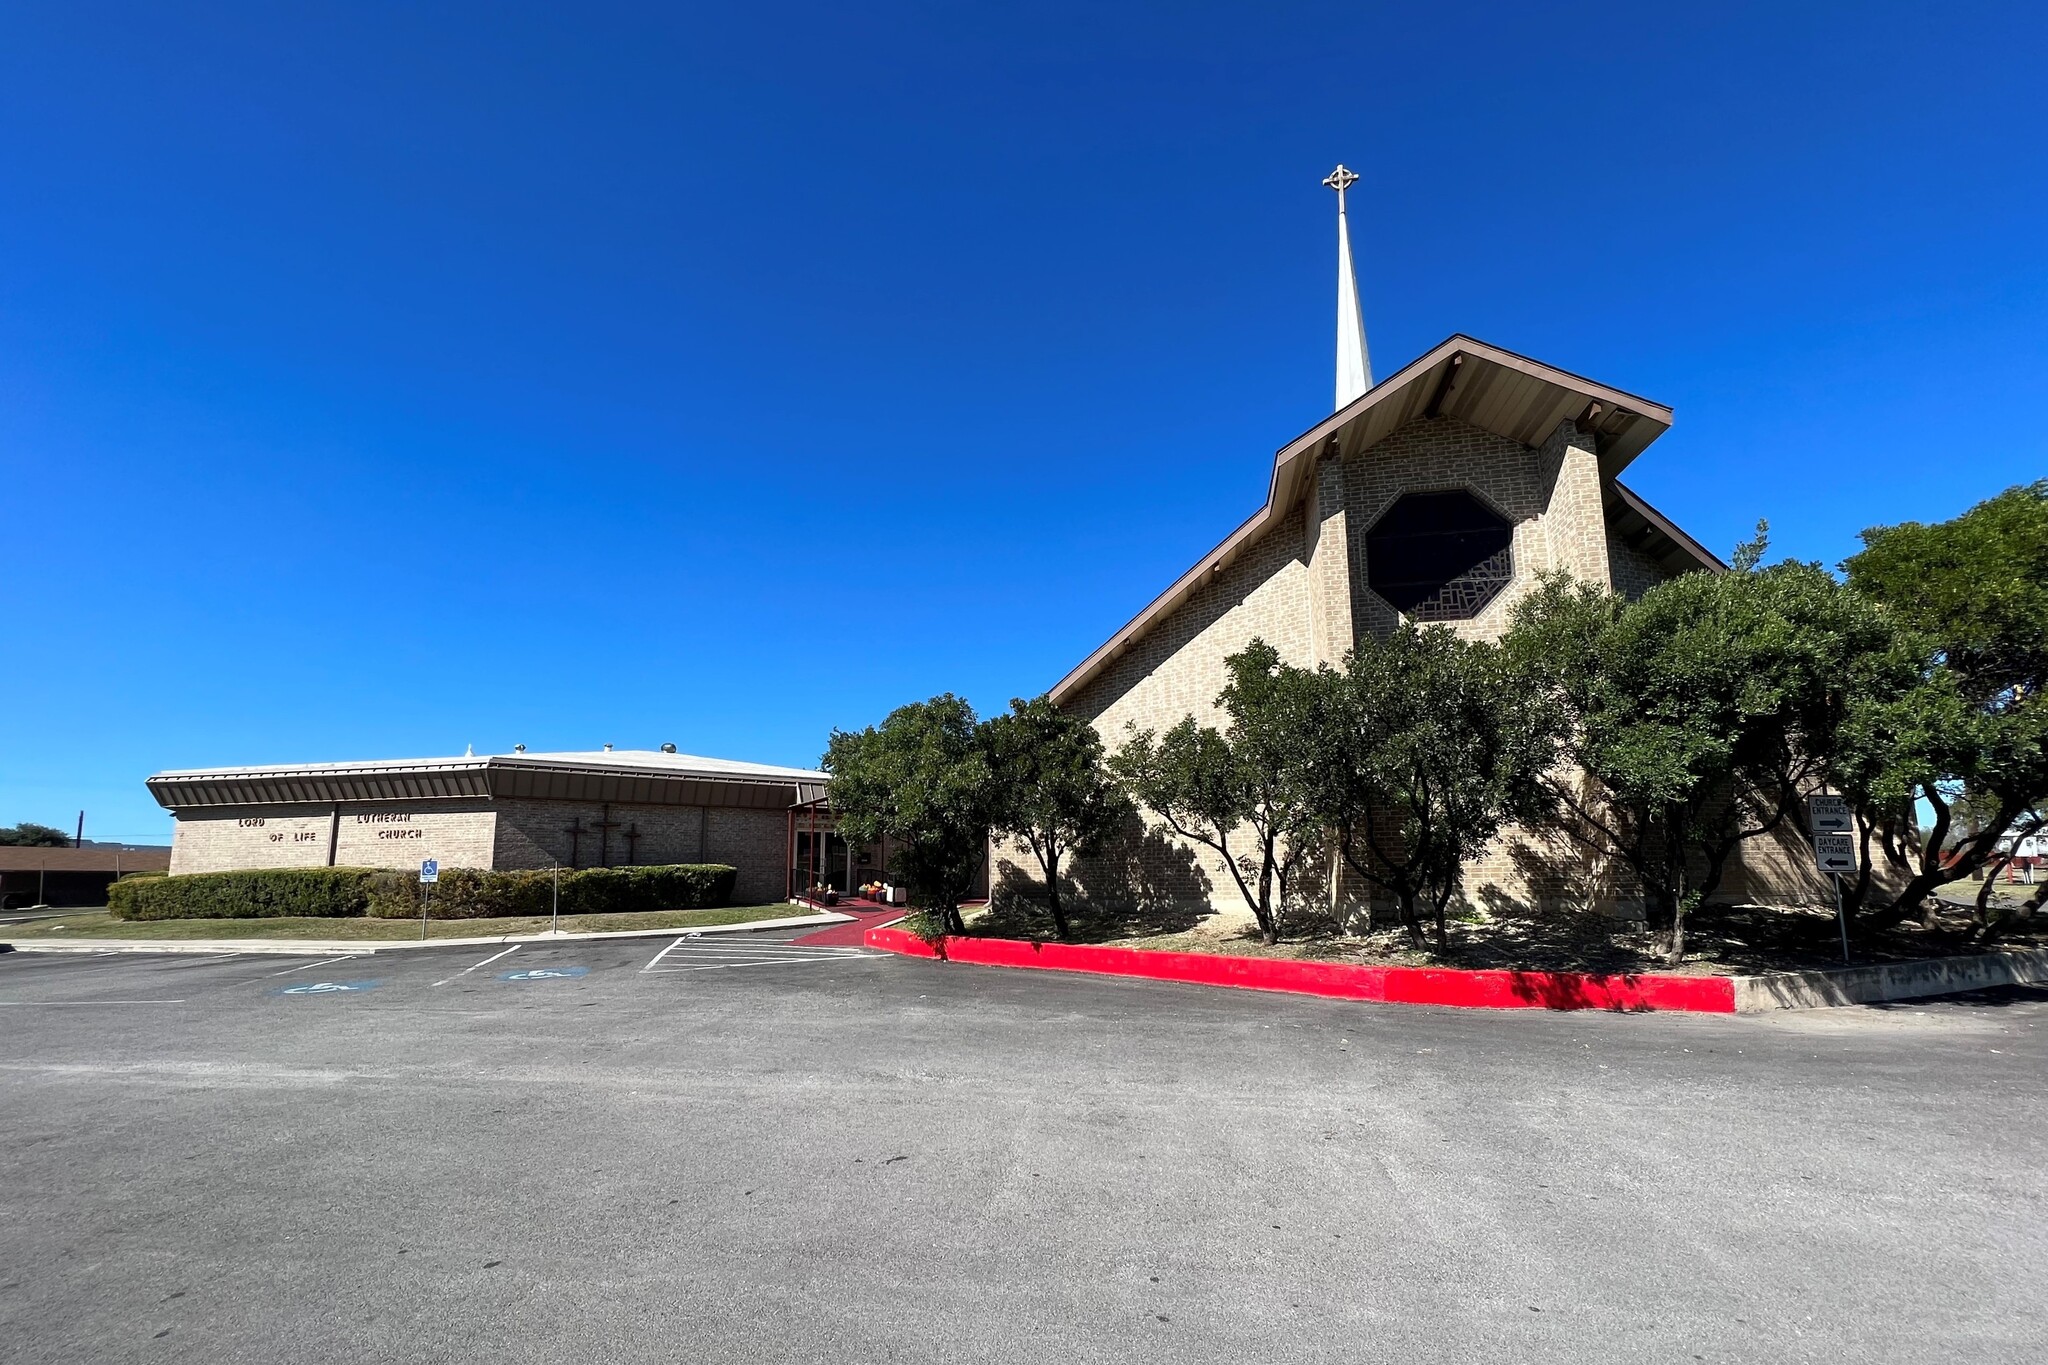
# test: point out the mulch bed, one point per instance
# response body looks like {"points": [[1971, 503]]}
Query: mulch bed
{"points": [[1720, 940]]}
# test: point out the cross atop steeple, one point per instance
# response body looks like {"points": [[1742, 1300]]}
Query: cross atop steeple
{"points": [[1354, 365]]}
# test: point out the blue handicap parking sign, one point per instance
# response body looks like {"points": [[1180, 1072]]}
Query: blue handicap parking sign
{"points": [[543, 973]]}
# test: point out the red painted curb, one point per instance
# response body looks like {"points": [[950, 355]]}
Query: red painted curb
{"points": [[1338, 980]]}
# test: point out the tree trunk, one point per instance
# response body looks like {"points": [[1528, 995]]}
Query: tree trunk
{"points": [[1410, 917], [1269, 929], [1052, 892]]}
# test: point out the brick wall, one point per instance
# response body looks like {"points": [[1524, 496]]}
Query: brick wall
{"points": [[385, 834], [536, 833], [508, 834], [1551, 495], [1634, 574], [1177, 669]]}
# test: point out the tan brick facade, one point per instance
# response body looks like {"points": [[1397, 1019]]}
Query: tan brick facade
{"points": [[510, 834], [352, 834]]}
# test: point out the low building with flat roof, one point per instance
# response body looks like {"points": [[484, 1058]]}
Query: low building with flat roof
{"points": [[609, 808], [71, 878]]}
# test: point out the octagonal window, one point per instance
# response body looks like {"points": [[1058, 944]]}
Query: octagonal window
{"points": [[1439, 556]]}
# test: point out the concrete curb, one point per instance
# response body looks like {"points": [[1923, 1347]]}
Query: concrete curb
{"points": [[303, 947], [1890, 981]]}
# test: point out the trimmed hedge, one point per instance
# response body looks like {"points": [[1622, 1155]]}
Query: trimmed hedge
{"points": [[470, 893], [323, 892], [462, 892]]}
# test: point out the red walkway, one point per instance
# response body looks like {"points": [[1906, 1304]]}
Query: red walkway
{"points": [[866, 915]]}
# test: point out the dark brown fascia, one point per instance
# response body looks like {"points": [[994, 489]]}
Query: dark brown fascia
{"points": [[1664, 526]]}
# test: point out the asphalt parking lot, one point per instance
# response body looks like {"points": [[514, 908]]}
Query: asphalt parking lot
{"points": [[738, 1149]]}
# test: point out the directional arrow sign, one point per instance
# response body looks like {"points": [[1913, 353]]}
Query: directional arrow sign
{"points": [[1834, 852], [1829, 814]]}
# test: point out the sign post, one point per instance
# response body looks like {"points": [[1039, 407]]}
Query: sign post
{"points": [[1834, 850], [555, 926], [430, 872]]}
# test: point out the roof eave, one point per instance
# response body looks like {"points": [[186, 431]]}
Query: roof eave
{"points": [[1623, 424]]}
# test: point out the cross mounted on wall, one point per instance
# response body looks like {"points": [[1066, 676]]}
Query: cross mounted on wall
{"points": [[605, 826]]}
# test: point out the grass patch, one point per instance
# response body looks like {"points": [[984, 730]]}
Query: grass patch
{"points": [[365, 929]]}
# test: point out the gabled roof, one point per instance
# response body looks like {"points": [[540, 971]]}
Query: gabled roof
{"points": [[633, 776], [1481, 385]]}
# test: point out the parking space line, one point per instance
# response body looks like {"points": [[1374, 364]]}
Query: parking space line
{"points": [[474, 965], [722, 966], [664, 953], [345, 957], [760, 949], [91, 1002]]}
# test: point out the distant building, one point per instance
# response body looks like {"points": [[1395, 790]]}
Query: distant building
{"points": [[518, 810], [71, 877]]}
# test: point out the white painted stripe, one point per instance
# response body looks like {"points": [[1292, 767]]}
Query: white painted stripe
{"points": [[673, 958], [223, 957], [738, 950], [764, 962], [91, 1002], [662, 954], [345, 957], [474, 965]]}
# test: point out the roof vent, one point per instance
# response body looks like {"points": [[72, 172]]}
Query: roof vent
{"points": [[668, 748], [607, 748], [519, 748]]}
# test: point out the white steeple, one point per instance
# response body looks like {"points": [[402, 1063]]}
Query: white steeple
{"points": [[1354, 364]]}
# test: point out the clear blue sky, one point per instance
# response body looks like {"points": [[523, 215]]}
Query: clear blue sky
{"points": [[376, 381]]}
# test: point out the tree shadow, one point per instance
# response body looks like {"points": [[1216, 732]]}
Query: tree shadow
{"points": [[1987, 997], [1143, 882]]}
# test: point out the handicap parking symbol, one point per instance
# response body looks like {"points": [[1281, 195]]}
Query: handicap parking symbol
{"points": [[543, 973], [325, 987]]}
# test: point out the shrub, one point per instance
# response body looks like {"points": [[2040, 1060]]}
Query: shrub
{"points": [[471, 893], [462, 893], [623, 890], [322, 892]]}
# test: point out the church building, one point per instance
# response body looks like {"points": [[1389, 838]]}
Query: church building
{"points": [[518, 810], [1438, 495]]}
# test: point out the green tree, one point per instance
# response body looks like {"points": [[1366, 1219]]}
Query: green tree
{"points": [[31, 835], [1703, 712], [1054, 792], [1973, 591], [1239, 790], [1417, 754], [922, 778]]}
